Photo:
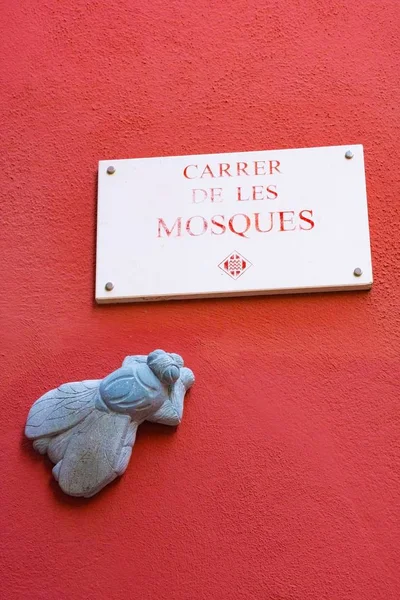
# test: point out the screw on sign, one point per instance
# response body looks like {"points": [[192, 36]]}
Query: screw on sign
{"points": [[235, 265]]}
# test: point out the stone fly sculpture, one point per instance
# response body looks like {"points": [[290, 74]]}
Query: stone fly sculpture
{"points": [[88, 428]]}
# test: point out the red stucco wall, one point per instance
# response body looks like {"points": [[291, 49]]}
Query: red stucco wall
{"points": [[283, 480]]}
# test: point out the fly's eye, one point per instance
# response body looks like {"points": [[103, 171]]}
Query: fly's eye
{"points": [[170, 374], [178, 360]]}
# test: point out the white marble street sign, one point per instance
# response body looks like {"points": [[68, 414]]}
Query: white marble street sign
{"points": [[246, 223]]}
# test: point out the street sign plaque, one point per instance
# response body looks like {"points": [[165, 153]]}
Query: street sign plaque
{"points": [[246, 223]]}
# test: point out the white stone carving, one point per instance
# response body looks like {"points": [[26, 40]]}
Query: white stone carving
{"points": [[88, 428]]}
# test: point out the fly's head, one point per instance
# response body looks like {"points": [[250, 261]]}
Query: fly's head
{"points": [[139, 389]]}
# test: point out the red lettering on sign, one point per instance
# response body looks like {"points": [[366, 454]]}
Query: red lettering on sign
{"points": [[272, 191], [239, 195], [259, 165], [216, 194], [245, 230], [207, 171], [195, 196], [303, 218], [257, 222], [239, 224], [178, 224], [258, 192], [284, 221], [272, 166], [185, 171], [224, 168], [221, 225], [241, 168], [189, 224]]}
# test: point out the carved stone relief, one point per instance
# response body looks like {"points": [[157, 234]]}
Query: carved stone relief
{"points": [[88, 428]]}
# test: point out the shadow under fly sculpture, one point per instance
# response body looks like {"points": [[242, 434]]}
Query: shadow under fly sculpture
{"points": [[88, 428]]}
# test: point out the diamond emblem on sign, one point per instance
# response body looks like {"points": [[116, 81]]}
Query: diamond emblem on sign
{"points": [[235, 265]]}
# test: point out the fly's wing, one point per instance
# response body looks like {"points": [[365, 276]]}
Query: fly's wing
{"points": [[171, 411], [136, 358], [61, 409], [98, 451]]}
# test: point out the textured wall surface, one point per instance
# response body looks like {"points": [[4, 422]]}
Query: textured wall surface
{"points": [[283, 481]]}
